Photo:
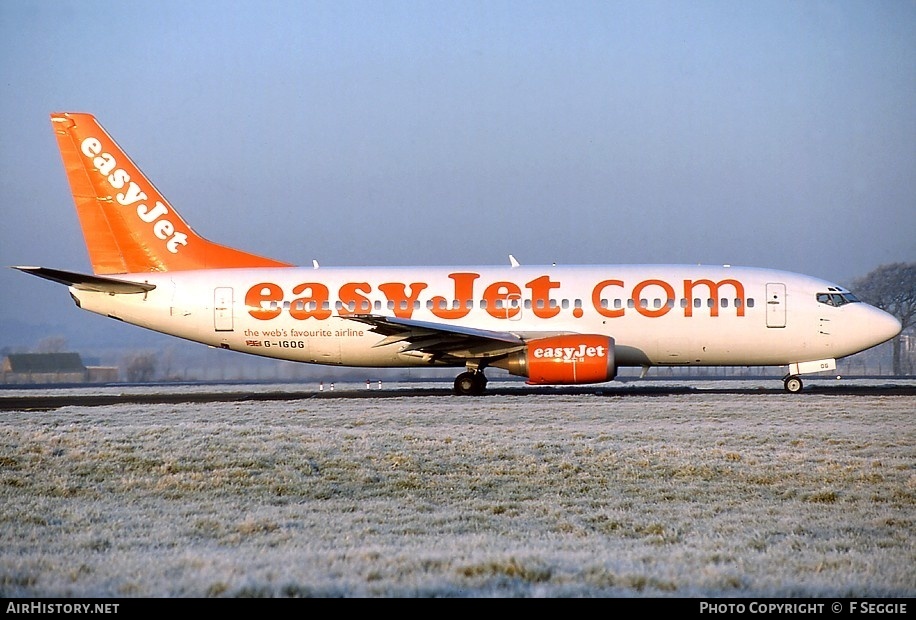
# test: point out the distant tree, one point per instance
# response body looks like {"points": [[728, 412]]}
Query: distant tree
{"points": [[52, 344], [165, 362], [141, 367], [893, 289]]}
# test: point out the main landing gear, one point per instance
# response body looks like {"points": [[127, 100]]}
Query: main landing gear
{"points": [[792, 383], [471, 383]]}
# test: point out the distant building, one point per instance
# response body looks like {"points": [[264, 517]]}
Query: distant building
{"points": [[25, 368]]}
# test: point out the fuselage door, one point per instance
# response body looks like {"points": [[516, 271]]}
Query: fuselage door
{"points": [[514, 306], [222, 309], [776, 304], [507, 306]]}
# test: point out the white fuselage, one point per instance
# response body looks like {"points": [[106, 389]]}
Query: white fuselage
{"points": [[656, 314]]}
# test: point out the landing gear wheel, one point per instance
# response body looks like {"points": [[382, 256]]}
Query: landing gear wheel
{"points": [[793, 384], [470, 384]]}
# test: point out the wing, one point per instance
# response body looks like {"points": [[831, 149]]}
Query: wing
{"points": [[446, 343]]}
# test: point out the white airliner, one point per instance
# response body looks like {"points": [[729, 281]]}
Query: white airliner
{"points": [[551, 324]]}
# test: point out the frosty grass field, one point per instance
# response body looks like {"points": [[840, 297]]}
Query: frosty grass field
{"points": [[676, 495]]}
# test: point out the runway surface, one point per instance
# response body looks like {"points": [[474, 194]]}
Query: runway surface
{"points": [[47, 399]]}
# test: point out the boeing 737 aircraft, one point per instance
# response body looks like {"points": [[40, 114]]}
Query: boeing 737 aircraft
{"points": [[551, 324]]}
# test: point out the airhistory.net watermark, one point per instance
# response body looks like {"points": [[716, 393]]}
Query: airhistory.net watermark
{"points": [[37, 607]]}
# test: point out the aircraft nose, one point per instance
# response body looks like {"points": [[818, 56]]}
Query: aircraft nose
{"points": [[884, 326]]}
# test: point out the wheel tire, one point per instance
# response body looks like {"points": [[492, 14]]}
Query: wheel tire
{"points": [[793, 384], [470, 384], [480, 383], [465, 384]]}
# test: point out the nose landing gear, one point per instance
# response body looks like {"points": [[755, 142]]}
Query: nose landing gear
{"points": [[792, 383]]}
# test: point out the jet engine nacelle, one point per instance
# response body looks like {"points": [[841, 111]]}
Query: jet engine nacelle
{"points": [[569, 359]]}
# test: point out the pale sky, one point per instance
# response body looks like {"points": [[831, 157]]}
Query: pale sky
{"points": [[773, 134]]}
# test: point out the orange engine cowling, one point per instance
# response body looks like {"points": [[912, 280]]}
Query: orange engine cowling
{"points": [[569, 359]]}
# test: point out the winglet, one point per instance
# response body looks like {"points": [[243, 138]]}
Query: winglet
{"points": [[128, 226]]}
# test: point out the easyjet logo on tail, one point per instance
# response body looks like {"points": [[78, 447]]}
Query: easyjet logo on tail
{"points": [[133, 195]]}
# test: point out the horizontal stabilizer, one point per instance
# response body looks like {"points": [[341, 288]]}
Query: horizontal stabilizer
{"points": [[86, 282]]}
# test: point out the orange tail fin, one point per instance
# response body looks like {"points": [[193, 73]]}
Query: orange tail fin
{"points": [[129, 227]]}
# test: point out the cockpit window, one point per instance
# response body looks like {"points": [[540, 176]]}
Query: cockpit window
{"points": [[836, 299]]}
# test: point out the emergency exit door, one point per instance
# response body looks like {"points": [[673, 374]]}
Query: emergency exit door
{"points": [[776, 304], [222, 309]]}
